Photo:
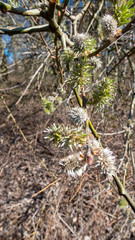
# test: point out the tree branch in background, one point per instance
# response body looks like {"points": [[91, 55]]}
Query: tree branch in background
{"points": [[95, 15], [80, 15], [84, 13], [42, 37], [63, 11]]}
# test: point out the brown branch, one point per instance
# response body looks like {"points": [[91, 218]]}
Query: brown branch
{"points": [[79, 16], [128, 54], [108, 42], [85, 11], [129, 26], [41, 35], [63, 11], [51, 9], [103, 47], [95, 15]]}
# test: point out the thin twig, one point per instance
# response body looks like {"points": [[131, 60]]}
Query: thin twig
{"points": [[65, 4], [63, 221], [111, 134], [84, 13], [50, 184], [128, 144], [95, 15], [77, 191], [33, 77], [107, 43]]}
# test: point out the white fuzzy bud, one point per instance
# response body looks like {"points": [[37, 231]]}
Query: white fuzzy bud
{"points": [[77, 116], [109, 27]]}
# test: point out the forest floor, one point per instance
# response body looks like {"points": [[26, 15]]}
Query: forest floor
{"points": [[84, 208]]}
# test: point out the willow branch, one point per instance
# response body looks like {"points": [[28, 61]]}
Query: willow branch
{"points": [[4, 7], [91, 127], [79, 100], [41, 28], [13, 30], [123, 192], [56, 28], [51, 27], [103, 47], [59, 8], [48, 15], [51, 9], [120, 187]]}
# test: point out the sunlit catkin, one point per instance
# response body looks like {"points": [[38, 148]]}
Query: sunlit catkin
{"points": [[109, 27]]}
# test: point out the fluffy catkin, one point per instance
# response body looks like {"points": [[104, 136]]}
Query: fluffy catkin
{"points": [[109, 27]]}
